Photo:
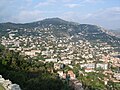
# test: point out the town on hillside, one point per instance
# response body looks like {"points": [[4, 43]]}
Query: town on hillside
{"points": [[75, 60]]}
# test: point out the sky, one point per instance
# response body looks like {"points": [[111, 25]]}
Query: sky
{"points": [[105, 13]]}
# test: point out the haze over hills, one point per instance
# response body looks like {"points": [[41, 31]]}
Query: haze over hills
{"points": [[116, 32]]}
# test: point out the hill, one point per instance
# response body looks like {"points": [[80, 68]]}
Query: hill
{"points": [[61, 28]]}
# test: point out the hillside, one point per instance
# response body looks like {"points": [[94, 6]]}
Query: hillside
{"points": [[62, 28], [116, 32], [53, 51]]}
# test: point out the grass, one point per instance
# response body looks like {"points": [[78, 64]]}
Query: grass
{"points": [[1, 87]]}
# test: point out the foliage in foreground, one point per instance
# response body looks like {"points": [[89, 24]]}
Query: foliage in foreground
{"points": [[30, 75]]}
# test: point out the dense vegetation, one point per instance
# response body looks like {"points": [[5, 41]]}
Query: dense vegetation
{"points": [[30, 75], [93, 81]]}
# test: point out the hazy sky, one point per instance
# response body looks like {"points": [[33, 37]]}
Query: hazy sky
{"points": [[105, 13]]}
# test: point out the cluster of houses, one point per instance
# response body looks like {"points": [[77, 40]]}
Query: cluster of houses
{"points": [[117, 76], [73, 82], [63, 51], [90, 67], [7, 84], [63, 75]]}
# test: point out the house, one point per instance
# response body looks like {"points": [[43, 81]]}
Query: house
{"points": [[12, 49], [64, 75], [72, 75], [70, 66], [117, 76], [89, 65], [89, 70], [44, 53], [29, 53], [106, 81], [66, 62], [60, 73], [51, 60], [56, 66], [102, 65], [32, 52]]}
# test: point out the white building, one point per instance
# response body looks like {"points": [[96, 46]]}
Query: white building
{"points": [[89, 70], [51, 60], [56, 66], [89, 65], [66, 62], [102, 65], [60, 73], [117, 76]]}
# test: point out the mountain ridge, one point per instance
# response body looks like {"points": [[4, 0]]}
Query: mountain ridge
{"points": [[46, 20], [60, 27]]}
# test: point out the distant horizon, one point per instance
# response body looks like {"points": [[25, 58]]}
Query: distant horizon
{"points": [[59, 18], [105, 13]]}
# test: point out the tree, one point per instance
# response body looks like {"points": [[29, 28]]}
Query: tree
{"points": [[76, 71]]}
